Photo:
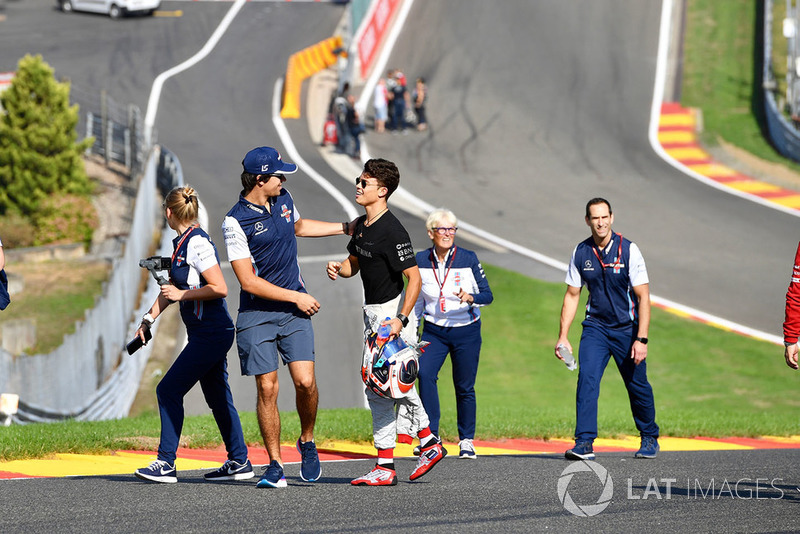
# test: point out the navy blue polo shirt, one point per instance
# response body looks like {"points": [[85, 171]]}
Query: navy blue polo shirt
{"points": [[194, 253], [610, 275]]}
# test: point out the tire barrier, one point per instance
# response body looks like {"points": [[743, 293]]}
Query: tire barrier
{"points": [[302, 65]]}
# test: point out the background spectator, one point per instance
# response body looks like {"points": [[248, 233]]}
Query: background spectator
{"points": [[420, 97], [354, 126], [380, 102], [399, 95]]}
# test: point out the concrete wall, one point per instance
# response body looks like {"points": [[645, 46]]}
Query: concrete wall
{"points": [[90, 376]]}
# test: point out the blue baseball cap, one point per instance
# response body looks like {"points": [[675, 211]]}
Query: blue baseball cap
{"points": [[266, 160]]}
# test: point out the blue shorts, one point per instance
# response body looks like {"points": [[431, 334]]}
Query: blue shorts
{"points": [[261, 336]]}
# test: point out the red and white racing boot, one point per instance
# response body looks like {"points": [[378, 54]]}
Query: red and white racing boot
{"points": [[379, 476], [428, 457]]}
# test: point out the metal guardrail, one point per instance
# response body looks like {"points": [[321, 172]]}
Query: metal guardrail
{"points": [[782, 133]]}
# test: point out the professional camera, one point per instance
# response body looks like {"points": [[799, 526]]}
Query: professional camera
{"points": [[157, 263]]}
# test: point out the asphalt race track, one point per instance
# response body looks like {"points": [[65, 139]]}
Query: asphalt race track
{"points": [[678, 492], [534, 107]]}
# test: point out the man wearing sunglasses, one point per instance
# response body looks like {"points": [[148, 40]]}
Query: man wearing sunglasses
{"points": [[381, 251], [275, 309], [616, 324]]}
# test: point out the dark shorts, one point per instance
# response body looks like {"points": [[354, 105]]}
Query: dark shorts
{"points": [[262, 336]]}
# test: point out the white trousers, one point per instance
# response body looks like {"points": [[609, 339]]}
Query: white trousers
{"points": [[392, 416]]}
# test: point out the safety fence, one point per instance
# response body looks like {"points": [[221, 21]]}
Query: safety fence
{"points": [[91, 376], [117, 129]]}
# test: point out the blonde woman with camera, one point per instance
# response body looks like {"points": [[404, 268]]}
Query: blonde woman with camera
{"points": [[197, 284]]}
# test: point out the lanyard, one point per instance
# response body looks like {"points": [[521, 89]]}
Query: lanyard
{"points": [[444, 279], [616, 263], [183, 238]]}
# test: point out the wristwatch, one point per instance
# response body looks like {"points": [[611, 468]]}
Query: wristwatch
{"points": [[403, 319], [642, 340], [148, 319]]}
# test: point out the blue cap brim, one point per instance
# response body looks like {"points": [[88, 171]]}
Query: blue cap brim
{"points": [[287, 168]]}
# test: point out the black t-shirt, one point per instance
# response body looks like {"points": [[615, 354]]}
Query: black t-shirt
{"points": [[399, 92], [384, 251]]}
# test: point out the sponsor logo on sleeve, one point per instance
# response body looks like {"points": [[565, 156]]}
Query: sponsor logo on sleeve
{"points": [[286, 214], [404, 251]]}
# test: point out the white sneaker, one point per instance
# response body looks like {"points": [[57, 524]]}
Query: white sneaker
{"points": [[466, 450]]}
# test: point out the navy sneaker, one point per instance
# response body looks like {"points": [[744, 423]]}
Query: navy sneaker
{"points": [[466, 449], [232, 470], [581, 451], [310, 468], [649, 448], [272, 477], [158, 471]]}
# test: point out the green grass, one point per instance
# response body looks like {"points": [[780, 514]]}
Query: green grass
{"points": [[706, 382], [56, 295], [722, 71]]}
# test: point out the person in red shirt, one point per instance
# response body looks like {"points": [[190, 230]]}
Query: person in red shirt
{"points": [[791, 323]]}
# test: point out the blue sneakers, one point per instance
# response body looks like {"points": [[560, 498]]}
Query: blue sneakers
{"points": [[581, 451], [272, 477], [310, 468], [232, 470], [649, 448], [158, 471]]}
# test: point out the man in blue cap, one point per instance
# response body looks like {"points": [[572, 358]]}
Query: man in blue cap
{"points": [[275, 310]]}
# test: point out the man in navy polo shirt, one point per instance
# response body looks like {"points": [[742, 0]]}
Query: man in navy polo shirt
{"points": [[275, 310], [616, 324]]}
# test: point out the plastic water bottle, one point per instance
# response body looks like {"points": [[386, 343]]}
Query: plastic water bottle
{"points": [[384, 332], [569, 359]]}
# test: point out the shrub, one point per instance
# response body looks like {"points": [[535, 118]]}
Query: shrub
{"points": [[16, 231], [65, 219], [39, 154]]}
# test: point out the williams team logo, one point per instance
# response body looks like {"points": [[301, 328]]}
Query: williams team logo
{"points": [[285, 213]]}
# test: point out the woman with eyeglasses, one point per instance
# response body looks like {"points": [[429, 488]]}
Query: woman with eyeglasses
{"points": [[454, 288]]}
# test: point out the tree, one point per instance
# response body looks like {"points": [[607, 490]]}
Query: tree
{"points": [[39, 152]]}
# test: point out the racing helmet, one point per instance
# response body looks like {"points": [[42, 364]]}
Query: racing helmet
{"points": [[392, 369]]}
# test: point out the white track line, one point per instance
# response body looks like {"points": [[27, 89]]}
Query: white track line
{"points": [[155, 92], [295, 157]]}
